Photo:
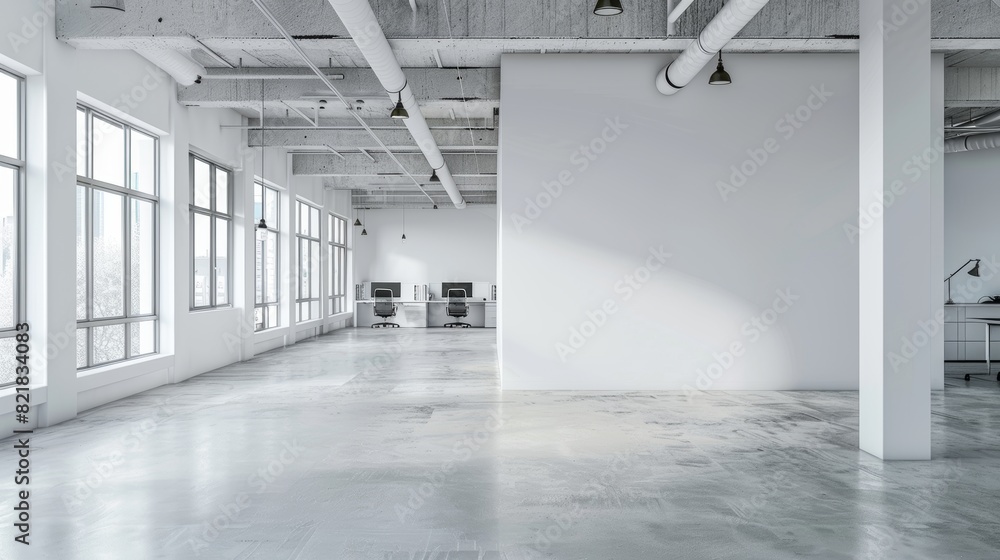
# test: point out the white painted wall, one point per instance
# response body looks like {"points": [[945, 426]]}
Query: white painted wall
{"points": [[655, 185], [444, 245], [971, 198]]}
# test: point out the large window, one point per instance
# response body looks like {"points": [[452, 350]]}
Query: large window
{"points": [[11, 199], [307, 239], [337, 265], [116, 240], [211, 234], [266, 202]]}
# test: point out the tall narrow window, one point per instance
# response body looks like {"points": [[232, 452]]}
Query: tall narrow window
{"points": [[265, 206], [117, 206], [211, 234], [336, 278], [11, 223], [307, 239]]}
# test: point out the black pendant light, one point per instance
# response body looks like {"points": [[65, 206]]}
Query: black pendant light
{"points": [[434, 176], [364, 230], [720, 77], [608, 8], [399, 112], [404, 224], [357, 222], [435, 206], [262, 225]]}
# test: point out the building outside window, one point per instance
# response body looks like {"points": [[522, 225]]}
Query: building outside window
{"points": [[307, 240], [11, 223], [337, 264], [117, 207], [211, 234], [266, 201]]}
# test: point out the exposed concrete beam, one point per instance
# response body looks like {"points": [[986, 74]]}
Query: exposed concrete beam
{"points": [[350, 139], [358, 165], [972, 87], [77, 23]]}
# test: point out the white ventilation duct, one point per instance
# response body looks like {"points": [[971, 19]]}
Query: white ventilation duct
{"points": [[972, 142], [358, 18], [181, 68], [724, 26]]}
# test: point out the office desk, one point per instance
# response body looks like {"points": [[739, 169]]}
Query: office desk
{"points": [[421, 314], [990, 323], [408, 314]]}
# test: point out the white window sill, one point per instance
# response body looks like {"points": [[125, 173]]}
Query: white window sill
{"points": [[100, 376]]}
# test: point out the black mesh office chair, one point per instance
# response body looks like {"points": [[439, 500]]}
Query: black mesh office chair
{"points": [[384, 307], [457, 307]]}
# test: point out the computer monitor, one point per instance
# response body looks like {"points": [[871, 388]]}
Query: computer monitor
{"points": [[447, 286], [394, 286]]}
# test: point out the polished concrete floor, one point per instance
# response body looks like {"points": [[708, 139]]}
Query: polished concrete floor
{"points": [[398, 444]]}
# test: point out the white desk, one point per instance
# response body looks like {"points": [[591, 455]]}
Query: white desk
{"points": [[422, 314], [990, 323]]}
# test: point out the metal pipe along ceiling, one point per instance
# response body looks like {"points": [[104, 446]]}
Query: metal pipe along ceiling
{"points": [[724, 26], [972, 142], [358, 18]]}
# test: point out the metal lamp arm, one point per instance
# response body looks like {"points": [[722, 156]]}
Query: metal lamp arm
{"points": [[960, 268]]}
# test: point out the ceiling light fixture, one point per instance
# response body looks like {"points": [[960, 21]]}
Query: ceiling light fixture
{"points": [[608, 8], [110, 4], [434, 176], [364, 231], [399, 112], [403, 211], [720, 77], [262, 230]]}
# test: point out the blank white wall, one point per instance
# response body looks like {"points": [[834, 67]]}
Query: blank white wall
{"points": [[656, 184], [444, 245], [971, 197]]}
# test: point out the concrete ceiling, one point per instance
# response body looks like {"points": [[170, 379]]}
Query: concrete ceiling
{"points": [[451, 51]]}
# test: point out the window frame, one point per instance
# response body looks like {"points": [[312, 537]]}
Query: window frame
{"points": [[299, 238], [275, 229], [213, 214], [340, 222], [127, 194], [19, 166]]}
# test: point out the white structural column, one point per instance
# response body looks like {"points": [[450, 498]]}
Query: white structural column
{"points": [[896, 304], [937, 217]]}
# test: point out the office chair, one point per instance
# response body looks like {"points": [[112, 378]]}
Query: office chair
{"points": [[384, 307], [457, 307]]}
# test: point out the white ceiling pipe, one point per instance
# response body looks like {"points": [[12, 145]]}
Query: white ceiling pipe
{"points": [[358, 18], [724, 26], [181, 68], [972, 142]]}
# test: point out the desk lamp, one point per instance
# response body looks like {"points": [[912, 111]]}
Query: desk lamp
{"points": [[973, 272]]}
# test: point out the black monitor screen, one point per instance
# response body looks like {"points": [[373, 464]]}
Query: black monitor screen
{"points": [[446, 286], [394, 286]]}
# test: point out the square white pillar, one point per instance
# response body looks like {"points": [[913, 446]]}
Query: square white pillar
{"points": [[896, 303]]}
